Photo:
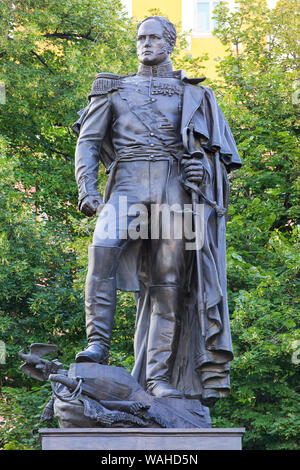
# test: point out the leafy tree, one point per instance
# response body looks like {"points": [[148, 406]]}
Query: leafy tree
{"points": [[256, 90], [49, 54]]}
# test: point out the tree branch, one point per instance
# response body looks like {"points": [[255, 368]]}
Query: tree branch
{"points": [[42, 61], [70, 36]]}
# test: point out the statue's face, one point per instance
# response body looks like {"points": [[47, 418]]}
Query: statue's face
{"points": [[152, 47]]}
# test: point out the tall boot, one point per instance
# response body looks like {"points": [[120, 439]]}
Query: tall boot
{"points": [[162, 341], [100, 303]]}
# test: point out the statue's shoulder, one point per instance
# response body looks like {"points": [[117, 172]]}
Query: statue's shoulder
{"points": [[189, 80], [106, 82], [198, 89], [194, 84], [208, 93]]}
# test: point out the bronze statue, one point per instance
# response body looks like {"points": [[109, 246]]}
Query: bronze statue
{"points": [[164, 141]]}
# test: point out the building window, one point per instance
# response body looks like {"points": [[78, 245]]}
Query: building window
{"points": [[204, 12]]}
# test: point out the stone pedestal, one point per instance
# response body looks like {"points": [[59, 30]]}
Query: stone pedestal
{"points": [[142, 439]]}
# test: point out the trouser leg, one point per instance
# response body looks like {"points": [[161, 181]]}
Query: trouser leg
{"points": [[168, 259], [162, 340]]}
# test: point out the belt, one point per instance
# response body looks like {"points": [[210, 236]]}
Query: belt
{"points": [[220, 211], [133, 158], [151, 158]]}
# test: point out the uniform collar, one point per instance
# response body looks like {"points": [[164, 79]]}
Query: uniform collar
{"points": [[166, 70], [160, 70]]}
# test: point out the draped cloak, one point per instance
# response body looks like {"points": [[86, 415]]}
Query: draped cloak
{"points": [[201, 362]]}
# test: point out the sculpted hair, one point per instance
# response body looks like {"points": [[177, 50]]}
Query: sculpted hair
{"points": [[169, 30]]}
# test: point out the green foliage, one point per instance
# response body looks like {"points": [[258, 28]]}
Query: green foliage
{"points": [[256, 93], [38, 302], [49, 54], [122, 343], [20, 411]]}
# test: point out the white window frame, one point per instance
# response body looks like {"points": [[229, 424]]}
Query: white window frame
{"points": [[189, 17], [195, 29]]}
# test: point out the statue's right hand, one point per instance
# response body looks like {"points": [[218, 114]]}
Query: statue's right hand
{"points": [[89, 204]]}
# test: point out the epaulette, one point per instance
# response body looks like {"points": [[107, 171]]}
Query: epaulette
{"points": [[112, 76], [194, 81], [106, 82]]}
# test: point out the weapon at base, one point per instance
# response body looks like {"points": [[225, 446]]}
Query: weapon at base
{"points": [[37, 367]]}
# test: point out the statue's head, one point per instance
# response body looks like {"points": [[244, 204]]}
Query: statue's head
{"points": [[156, 38]]}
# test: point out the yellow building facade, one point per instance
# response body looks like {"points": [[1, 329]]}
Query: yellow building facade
{"points": [[195, 18]]}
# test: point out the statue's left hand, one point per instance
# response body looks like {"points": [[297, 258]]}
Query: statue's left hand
{"points": [[193, 170]]}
